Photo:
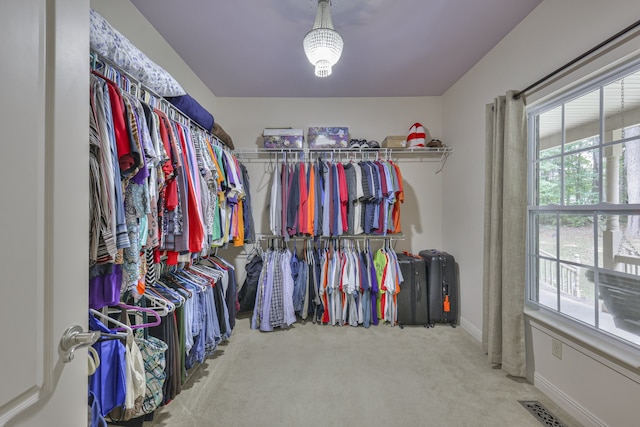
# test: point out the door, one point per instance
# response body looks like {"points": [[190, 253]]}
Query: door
{"points": [[44, 189]]}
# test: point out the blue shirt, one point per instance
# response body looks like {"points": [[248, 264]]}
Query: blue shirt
{"points": [[108, 383]]}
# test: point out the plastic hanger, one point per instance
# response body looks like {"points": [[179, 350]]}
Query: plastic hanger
{"points": [[150, 311], [123, 330], [159, 303], [165, 291], [188, 287], [94, 360], [212, 271]]}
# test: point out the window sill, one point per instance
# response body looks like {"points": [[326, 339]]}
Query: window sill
{"points": [[607, 351]]}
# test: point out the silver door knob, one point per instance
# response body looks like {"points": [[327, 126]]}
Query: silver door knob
{"points": [[73, 339]]}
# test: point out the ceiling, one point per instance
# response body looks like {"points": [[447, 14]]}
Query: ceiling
{"points": [[253, 48]]}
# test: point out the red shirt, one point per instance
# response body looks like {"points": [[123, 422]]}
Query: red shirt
{"points": [[196, 230], [123, 144]]}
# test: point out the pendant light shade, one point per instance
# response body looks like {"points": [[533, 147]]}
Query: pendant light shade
{"points": [[323, 45]]}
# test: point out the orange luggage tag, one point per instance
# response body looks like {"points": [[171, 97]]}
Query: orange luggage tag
{"points": [[447, 305]]}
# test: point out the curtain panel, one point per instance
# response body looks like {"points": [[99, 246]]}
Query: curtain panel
{"points": [[505, 217]]}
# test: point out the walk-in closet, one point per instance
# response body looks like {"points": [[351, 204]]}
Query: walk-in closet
{"points": [[319, 213]]}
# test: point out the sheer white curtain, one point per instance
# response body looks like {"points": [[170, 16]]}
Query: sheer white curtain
{"points": [[505, 216]]}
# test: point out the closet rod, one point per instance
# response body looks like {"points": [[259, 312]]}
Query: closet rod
{"points": [[95, 58], [579, 58], [397, 236], [141, 87], [306, 150]]}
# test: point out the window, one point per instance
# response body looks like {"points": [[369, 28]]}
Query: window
{"points": [[583, 254]]}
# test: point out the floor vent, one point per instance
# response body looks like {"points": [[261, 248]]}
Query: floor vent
{"points": [[541, 413]]}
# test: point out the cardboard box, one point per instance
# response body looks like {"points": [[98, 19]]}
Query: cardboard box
{"points": [[328, 137], [395, 142], [278, 138]]}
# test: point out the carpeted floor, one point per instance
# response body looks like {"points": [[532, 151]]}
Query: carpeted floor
{"points": [[313, 375]]}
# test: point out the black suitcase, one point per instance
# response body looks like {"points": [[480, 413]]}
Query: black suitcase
{"points": [[412, 299], [442, 287]]}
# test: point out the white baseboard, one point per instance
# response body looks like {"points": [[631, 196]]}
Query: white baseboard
{"points": [[577, 411], [471, 329]]}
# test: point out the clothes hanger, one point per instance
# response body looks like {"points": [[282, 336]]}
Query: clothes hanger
{"points": [[253, 249], [184, 274], [219, 259], [205, 275], [123, 330], [214, 267], [94, 360], [159, 305], [139, 309], [124, 311], [189, 287], [192, 278], [159, 302], [165, 291]]}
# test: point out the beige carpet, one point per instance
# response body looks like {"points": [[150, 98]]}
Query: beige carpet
{"points": [[313, 375]]}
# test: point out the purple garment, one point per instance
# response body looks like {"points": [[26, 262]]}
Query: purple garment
{"points": [[284, 176], [335, 202], [293, 201], [104, 289]]}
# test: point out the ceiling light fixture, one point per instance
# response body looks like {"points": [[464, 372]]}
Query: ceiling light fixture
{"points": [[323, 45]]}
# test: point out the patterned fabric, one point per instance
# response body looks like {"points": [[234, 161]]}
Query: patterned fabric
{"points": [[151, 277], [111, 44], [276, 315], [134, 205], [287, 284], [152, 350]]}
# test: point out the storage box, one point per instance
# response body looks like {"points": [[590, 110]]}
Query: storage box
{"points": [[278, 138], [395, 142], [328, 137]]}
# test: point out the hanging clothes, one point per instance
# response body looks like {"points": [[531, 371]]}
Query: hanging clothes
{"points": [[249, 289], [158, 184], [274, 301], [161, 191], [328, 199], [333, 281]]}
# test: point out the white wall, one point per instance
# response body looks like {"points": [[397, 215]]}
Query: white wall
{"points": [[368, 118], [609, 392], [554, 33], [124, 17]]}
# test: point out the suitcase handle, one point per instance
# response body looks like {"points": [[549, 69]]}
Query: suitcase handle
{"points": [[446, 304], [407, 253]]}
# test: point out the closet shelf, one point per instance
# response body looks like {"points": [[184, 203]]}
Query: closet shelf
{"points": [[439, 154]]}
